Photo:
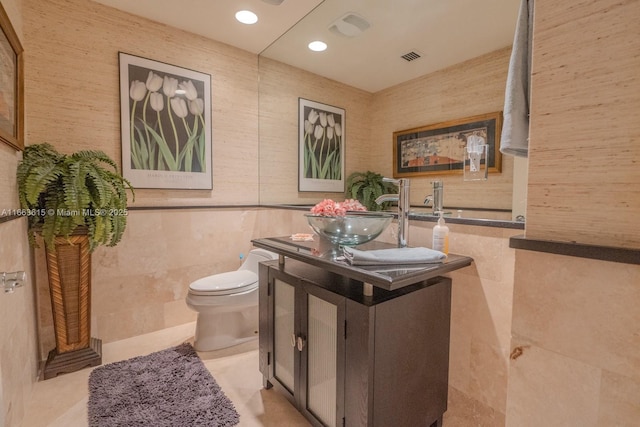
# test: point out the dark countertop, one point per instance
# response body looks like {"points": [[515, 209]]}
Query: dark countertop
{"points": [[323, 255]]}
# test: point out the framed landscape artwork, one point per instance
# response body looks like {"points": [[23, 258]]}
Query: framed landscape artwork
{"points": [[165, 125], [440, 148]]}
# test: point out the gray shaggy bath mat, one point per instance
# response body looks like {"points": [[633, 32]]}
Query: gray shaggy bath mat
{"points": [[169, 388]]}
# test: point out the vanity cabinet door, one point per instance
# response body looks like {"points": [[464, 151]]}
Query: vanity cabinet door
{"points": [[306, 346], [284, 334], [322, 355]]}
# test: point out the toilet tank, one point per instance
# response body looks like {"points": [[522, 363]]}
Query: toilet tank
{"points": [[256, 256]]}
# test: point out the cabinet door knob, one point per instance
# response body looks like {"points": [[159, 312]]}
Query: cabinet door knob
{"points": [[300, 343], [293, 340]]}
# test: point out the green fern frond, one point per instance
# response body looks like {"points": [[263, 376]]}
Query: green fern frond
{"points": [[82, 189], [367, 186]]}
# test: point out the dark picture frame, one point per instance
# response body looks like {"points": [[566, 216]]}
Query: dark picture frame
{"points": [[165, 125], [321, 147], [439, 148], [11, 85]]}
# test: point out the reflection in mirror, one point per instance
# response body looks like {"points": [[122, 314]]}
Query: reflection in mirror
{"points": [[463, 49]]}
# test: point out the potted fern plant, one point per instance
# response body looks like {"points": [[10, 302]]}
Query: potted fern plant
{"points": [[75, 202], [366, 187]]}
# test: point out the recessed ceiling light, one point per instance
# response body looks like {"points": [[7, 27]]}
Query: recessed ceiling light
{"points": [[246, 17], [317, 46]]}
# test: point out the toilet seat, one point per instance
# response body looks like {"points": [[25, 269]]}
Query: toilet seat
{"points": [[229, 283]]}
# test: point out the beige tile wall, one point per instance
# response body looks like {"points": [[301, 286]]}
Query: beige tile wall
{"points": [[481, 310], [577, 324], [18, 335], [576, 333], [140, 285]]}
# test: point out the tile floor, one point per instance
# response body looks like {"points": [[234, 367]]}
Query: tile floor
{"points": [[62, 401]]}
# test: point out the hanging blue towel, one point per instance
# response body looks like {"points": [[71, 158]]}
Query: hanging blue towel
{"points": [[515, 128]]}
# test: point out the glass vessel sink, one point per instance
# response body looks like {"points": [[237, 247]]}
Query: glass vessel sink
{"points": [[353, 229]]}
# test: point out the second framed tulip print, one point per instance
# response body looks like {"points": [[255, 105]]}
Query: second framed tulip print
{"points": [[165, 124], [321, 149]]}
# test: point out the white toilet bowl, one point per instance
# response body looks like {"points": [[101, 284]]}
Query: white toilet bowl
{"points": [[227, 304]]}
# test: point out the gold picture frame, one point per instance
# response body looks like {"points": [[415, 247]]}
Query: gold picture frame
{"points": [[439, 148], [11, 85]]}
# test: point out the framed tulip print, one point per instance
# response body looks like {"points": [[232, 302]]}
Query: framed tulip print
{"points": [[11, 85], [165, 114], [321, 130]]}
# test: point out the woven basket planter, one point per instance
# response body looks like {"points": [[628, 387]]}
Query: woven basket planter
{"points": [[69, 269]]}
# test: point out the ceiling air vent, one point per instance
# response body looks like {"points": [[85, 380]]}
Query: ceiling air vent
{"points": [[275, 2], [349, 25], [413, 55]]}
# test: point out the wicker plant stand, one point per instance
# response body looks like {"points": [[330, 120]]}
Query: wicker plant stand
{"points": [[69, 268]]}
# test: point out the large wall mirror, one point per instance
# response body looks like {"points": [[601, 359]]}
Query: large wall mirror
{"points": [[391, 65]]}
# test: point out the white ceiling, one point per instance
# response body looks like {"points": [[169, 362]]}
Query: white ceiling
{"points": [[215, 19], [444, 32]]}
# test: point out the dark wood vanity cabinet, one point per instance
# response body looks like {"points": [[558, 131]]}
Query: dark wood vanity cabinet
{"points": [[343, 358]]}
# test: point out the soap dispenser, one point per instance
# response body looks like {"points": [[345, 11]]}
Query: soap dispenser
{"points": [[441, 236]]}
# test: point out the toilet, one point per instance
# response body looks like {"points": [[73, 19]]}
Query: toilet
{"points": [[227, 304]]}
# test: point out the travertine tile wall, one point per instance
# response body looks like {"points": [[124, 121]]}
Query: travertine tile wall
{"points": [[481, 305], [140, 285], [71, 90], [18, 335], [576, 324]]}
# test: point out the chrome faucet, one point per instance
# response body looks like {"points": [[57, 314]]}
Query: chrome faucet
{"points": [[436, 198], [403, 207]]}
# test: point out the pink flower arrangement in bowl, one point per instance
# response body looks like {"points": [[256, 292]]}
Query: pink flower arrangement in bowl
{"points": [[328, 207], [347, 223]]}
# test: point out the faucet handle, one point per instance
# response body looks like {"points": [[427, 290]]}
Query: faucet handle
{"points": [[397, 182]]}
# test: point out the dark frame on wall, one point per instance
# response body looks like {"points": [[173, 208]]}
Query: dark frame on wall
{"points": [[165, 114], [11, 85], [321, 147], [439, 148]]}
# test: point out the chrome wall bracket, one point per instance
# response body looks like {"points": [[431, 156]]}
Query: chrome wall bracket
{"points": [[13, 280]]}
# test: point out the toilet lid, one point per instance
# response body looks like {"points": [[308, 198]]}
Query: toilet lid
{"points": [[232, 282]]}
